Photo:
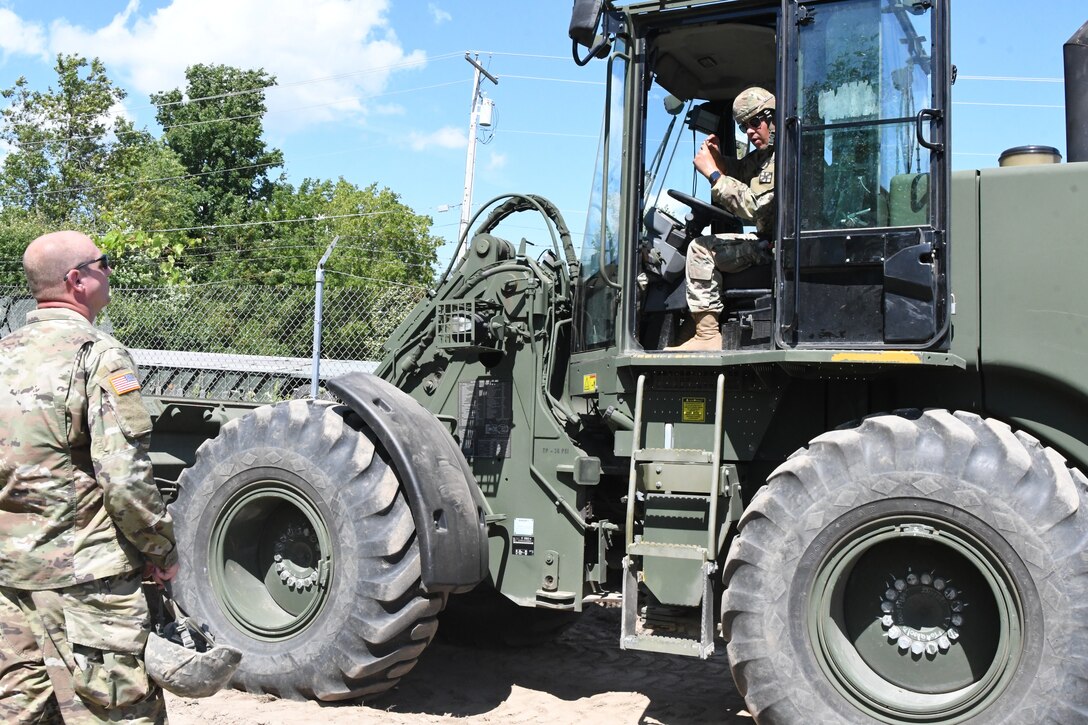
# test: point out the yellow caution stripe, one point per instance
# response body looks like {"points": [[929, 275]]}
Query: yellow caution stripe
{"points": [[898, 357]]}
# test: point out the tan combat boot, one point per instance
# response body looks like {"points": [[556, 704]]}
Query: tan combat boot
{"points": [[707, 338]]}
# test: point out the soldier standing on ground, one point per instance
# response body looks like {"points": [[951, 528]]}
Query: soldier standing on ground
{"points": [[81, 519], [744, 187]]}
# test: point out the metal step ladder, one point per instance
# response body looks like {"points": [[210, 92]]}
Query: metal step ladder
{"points": [[633, 627]]}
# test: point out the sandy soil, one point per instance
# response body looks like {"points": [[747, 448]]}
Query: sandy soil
{"points": [[582, 676]]}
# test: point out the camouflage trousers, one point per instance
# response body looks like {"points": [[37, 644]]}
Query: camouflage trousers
{"points": [[708, 257], [76, 655]]}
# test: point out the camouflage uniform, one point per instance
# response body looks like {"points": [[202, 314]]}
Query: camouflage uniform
{"points": [[79, 516], [748, 192]]}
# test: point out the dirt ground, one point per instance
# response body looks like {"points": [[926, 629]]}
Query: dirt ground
{"points": [[582, 676]]}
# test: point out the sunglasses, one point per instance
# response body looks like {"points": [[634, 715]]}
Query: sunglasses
{"points": [[104, 259], [754, 122]]}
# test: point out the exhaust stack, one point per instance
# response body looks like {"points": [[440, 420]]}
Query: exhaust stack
{"points": [[1076, 95]]}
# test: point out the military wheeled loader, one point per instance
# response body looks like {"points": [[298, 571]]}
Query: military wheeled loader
{"points": [[872, 495]]}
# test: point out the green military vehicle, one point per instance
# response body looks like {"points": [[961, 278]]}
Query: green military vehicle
{"points": [[875, 487]]}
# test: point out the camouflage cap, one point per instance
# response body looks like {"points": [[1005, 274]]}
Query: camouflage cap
{"points": [[752, 101]]}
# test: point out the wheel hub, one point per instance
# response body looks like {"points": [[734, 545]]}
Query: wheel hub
{"points": [[889, 615], [271, 559], [921, 614], [294, 553]]}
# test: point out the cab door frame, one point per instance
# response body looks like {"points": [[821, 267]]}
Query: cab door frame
{"points": [[860, 280]]}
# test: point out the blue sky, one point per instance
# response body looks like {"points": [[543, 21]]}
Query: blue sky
{"points": [[379, 91]]}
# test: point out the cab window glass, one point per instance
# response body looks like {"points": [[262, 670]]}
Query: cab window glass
{"points": [[865, 74]]}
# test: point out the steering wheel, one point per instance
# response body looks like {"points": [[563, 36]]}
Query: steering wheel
{"points": [[703, 212]]}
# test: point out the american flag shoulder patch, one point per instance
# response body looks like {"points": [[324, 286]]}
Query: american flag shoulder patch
{"points": [[124, 382]]}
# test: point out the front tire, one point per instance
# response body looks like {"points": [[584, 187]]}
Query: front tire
{"points": [[913, 571], [298, 547]]}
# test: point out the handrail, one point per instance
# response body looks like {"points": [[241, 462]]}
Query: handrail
{"points": [[636, 442], [715, 470]]}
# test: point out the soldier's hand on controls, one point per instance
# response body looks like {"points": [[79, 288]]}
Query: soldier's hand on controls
{"points": [[708, 159], [160, 576]]}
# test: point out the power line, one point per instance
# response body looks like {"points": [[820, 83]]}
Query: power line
{"points": [[1006, 105], [277, 84], [521, 55], [555, 80], [1013, 79], [135, 182], [270, 221], [204, 122], [552, 133], [264, 247]]}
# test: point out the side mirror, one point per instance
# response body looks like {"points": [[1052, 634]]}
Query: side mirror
{"points": [[584, 19]]}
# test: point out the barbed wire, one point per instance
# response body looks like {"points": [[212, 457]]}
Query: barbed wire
{"points": [[374, 279]]}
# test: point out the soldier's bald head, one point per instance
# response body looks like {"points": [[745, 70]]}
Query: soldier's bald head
{"points": [[50, 257]]}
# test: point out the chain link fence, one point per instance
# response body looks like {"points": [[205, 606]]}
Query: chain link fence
{"points": [[232, 342]]}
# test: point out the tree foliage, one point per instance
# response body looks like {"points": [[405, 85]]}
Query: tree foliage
{"points": [[199, 203], [216, 128], [60, 141]]}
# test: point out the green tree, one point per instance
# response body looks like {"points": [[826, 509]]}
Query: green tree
{"points": [[146, 187], [381, 239], [59, 137], [218, 135], [17, 228]]}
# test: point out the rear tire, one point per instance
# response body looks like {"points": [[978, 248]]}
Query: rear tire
{"points": [[909, 571], [298, 547]]}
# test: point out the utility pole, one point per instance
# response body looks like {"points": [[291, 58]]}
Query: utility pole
{"points": [[470, 164]]}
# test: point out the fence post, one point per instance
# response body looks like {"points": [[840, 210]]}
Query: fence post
{"points": [[319, 286]]}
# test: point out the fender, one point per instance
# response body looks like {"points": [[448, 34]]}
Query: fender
{"points": [[446, 502]]}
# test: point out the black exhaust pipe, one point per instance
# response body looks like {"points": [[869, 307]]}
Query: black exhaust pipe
{"points": [[1076, 95]]}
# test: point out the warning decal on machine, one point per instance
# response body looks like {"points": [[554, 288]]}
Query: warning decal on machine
{"points": [[693, 410], [522, 541], [486, 416]]}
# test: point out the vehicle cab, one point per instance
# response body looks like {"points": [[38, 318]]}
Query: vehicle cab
{"points": [[860, 251]]}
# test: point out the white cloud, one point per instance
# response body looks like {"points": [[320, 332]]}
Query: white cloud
{"points": [[438, 15], [19, 37], [347, 44], [496, 162], [389, 109], [447, 137]]}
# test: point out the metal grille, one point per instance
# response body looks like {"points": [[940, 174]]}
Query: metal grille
{"points": [[456, 324]]}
